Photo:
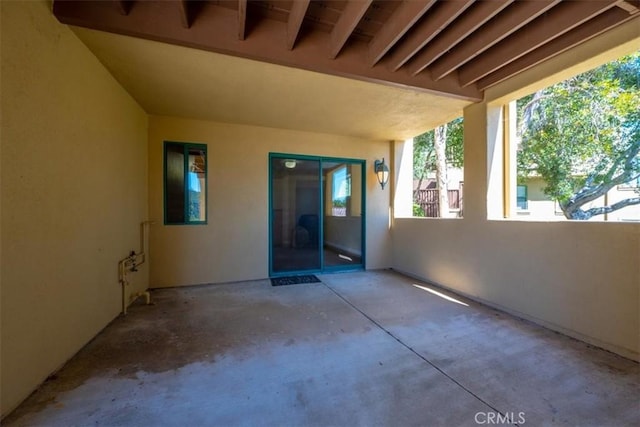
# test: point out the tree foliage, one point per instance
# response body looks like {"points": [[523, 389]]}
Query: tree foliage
{"points": [[582, 136]]}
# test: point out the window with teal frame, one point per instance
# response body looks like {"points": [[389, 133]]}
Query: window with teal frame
{"points": [[185, 183]]}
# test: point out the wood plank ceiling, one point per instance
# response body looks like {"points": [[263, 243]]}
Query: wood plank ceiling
{"points": [[456, 48]]}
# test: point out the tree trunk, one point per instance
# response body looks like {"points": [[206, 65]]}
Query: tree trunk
{"points": [[574, 211], [439, 143]]}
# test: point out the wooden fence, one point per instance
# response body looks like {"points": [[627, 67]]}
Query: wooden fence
{"points": [[429, 202]]}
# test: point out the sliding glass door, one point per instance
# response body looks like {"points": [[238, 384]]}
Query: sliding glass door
{"points": [[343, 213], [316, 214], [295, 223]]}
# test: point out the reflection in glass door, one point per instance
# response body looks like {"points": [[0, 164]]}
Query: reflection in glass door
{"points": [[342, 230], [317, 211]]}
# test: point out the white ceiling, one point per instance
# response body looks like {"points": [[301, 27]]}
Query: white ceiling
{"points": [[177, 81]]}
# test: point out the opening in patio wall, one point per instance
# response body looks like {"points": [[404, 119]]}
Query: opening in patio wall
{"points": [[438, 172], [577, 147]]}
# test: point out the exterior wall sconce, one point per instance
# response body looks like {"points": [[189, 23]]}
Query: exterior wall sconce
{"points": [[382, 172]]}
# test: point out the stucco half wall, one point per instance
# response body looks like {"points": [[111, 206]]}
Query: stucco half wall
{"points": [[580, 279], [233, 245]]}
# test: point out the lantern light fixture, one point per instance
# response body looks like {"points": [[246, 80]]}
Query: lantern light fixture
{"points": [[382, 172]]}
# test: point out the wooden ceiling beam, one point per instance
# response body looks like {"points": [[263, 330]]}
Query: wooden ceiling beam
{"points": [[511, 19], [422, 33], [403, 18], [242, 19], [216, 31], [561, 19], [631, 6], [294, 23], [349, 19], [478, 15], [501, 37], [584, 32], [185, 13], [124, 6]]}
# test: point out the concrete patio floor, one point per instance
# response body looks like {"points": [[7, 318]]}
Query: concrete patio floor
{"points": [[364, 348]]}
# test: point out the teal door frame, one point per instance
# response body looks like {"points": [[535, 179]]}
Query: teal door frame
{"points": [[363, 192]]}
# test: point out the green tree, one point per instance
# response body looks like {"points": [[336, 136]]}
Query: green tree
{"points": [[582, 136]]}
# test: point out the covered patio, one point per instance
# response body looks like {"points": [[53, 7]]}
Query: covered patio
{"points": [[363, 348], [175, 147]]}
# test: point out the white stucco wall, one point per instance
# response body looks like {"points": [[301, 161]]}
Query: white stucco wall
{"points": [[581, 279], [74, 191], [234, 244]]}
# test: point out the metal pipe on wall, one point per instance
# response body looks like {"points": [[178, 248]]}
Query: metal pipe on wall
{"points": [[131, 264]]}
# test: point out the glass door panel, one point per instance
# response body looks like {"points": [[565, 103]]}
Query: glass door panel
{"points": [[295, 219], [343, 213]]}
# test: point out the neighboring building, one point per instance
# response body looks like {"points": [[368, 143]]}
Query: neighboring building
{"points": [[533, 204]]}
